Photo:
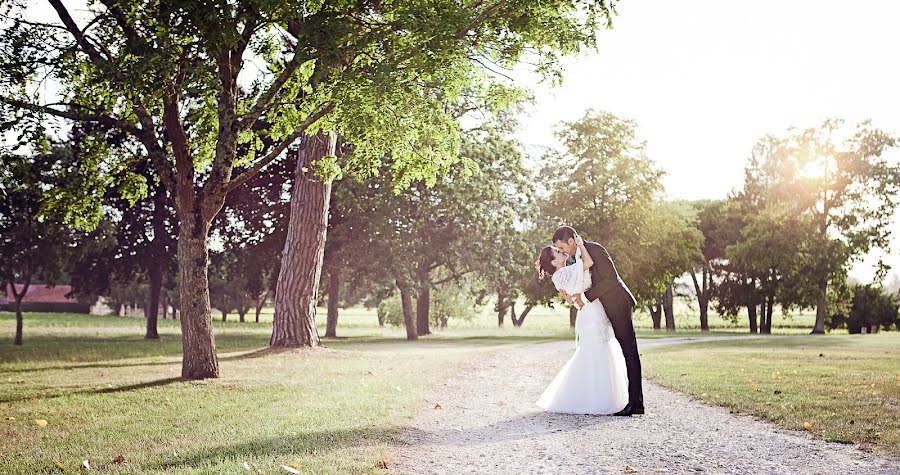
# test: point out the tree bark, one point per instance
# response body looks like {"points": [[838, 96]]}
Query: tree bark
{"points": [[155, 275], [409, 317], [656, 314], [751, 316], [199, 358], [304, 249], [423, 308], [668, 308], [821, 307], [164, 304], [770, 304], [224, 316], [573, 315], [18, 297], [334, 288], [702, 290], [518, 321], [501, 308]]}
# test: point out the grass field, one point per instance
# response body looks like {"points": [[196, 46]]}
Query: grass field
{"points": [[845, 387], [105, 392]]}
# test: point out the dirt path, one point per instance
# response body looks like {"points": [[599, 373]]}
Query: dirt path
{"points": [[488, 423]]}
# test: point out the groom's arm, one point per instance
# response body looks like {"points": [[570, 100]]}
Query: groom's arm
{"points": [[603, 273]]}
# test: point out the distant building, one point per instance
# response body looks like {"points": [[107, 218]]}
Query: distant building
{"points": [[43, 298]]}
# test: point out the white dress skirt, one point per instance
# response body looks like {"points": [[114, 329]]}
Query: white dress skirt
{"points": [[594, 380]]}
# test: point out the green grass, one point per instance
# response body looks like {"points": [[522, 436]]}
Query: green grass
{"points": [[105, 392], [846, 386]]}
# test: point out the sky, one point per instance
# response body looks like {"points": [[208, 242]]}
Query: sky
{"points": [[706, 79]]}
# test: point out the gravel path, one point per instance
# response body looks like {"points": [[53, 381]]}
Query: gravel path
{"points": [[488, 423]]}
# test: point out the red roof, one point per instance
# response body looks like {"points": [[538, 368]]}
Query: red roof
{"points": [[40, 293]]}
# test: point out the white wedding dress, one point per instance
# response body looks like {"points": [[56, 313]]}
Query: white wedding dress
{"points": [[594, 380]]}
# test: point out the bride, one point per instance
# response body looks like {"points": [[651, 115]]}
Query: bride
{"points": [[594, 380]]}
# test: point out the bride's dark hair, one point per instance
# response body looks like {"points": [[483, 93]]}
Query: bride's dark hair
{"points": [[545, 262]]}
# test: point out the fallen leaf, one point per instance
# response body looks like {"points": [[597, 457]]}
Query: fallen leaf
{"points": [[438, 406], [382, 465], [661, 470], [398, 389], [296, 465], [85, 464], [40, 422], [60, 466], [630, 469], [703, 395], [119, 460], [289, 469], [807, 426], [777, 391], [247, 467]]}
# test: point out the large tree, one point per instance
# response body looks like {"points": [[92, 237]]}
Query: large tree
{"points": [[171, 75], [837, 178], [602, 183]]}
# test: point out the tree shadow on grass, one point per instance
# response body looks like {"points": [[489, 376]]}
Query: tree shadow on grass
{"points": [[281, 448], [107, 390], [522, 427]]}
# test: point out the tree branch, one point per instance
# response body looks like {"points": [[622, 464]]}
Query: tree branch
{"points": [[73, 115], [76, 32], [281, 147], [262, 103]]}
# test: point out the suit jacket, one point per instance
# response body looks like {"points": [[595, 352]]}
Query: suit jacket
{"points": [[606, 284]]}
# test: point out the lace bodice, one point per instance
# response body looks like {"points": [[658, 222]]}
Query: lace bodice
{"points": [[571, 278]]}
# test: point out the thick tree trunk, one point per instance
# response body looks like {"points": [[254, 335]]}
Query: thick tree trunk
{"points": [[423, 308], [701, 288], [334, 288], [242, 312], [199, 359], [821, 307], [656, 314], [751, 316], [668, 308], [519, 320], [164, 304], [380, 320], [770, 304], [260, 303], [18, 338], [224, 316], [18, 297], [409, 317], [573, 315], [304, 249], [155, 275], [704, 316], [501, 308]]}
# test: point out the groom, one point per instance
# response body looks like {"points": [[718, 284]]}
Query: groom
{"points": [[618, 302]]}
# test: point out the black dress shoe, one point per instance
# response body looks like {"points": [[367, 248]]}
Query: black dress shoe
{"points": [[630, 409]]}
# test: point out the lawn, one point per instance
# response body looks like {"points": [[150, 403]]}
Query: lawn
{"points": [[105, 392], [108, 395], [842, 388]]}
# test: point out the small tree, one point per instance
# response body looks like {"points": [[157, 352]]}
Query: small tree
{"points": [[35, 243]]}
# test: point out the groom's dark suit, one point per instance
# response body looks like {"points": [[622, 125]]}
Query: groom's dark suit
{"points": [[618, 302]]}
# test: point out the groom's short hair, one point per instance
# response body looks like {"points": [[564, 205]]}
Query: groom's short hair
{"points": [[564, 233]]}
